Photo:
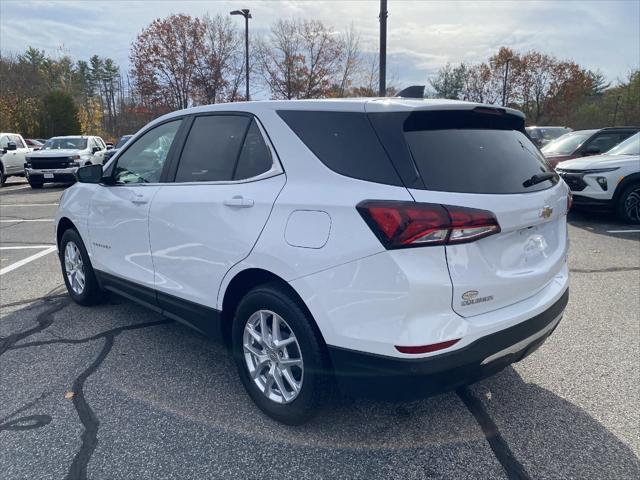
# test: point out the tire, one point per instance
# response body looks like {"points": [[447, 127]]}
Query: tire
{"points": [[628, 206], [35, 184], [311, 374], [89, 292], [3, 178]]}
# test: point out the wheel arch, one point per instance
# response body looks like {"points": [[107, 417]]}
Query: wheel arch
{"points": [[64, 224], [626, 181], [247, 280]]}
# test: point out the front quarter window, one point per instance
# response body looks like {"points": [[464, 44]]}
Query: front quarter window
{"points": [[144, 160]]}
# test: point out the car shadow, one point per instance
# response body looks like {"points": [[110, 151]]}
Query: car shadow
{"points": [[166, 370], [601, 222]]}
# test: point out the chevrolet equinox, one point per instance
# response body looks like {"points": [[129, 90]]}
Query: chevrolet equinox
{"points": [[391, 244]]}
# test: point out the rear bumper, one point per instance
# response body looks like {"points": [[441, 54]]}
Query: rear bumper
{"points": [[394, 378], [52, 175]]}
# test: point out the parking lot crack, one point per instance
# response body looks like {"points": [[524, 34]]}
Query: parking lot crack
{"points": [[604, 270], [512, 467], [97, 336], [88, 418], [43, 321], [90, 422]]}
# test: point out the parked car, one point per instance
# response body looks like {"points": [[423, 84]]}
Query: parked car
{"points": [[412, 246], [543, 135], [33, 144], [13, 150], [60, 157], [611, 180], [110, 153], [583, 143]]}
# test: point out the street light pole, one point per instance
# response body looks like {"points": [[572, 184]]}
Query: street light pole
{"points": [[382, 91], [504, 83], [245, 13]]}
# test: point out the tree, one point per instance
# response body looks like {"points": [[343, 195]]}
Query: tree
{"points": [[350, 63], [220, 65], [164, 60], [60, 114], [300, 59], [449, 81]]}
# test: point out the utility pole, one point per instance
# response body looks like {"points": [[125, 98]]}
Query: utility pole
{"points": [[245, 13], [382, 91], [504, 82], [615, 112]]}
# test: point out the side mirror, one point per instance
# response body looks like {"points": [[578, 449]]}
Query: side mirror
{"points": [[592, 150], [12, 146], [89, 174], [95, 149]]}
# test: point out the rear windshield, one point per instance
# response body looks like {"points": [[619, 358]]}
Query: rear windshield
{"points": [[481, 151], [476, 160]]}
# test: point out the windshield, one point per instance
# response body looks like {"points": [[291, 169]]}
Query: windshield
{"points": [[546, 133], [566, 144], [631, 146], [65, 143], [122, 141]]}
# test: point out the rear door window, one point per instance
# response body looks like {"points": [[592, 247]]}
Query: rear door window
{"points": [[476, 160], [212, 148], [345, 142]]}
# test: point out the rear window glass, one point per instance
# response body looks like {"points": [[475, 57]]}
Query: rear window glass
{"points": [[212, 148], [476, 160], [345, 142]]}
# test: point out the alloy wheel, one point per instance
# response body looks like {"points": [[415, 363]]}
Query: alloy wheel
{"points": [[632, 205], [273, 356], [74, 268]]}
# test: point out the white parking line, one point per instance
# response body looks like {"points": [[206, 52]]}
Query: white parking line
{"points": [[20, 220], [26, 247], [24, 261], [28, 205], [623, 231], [11, 189]]}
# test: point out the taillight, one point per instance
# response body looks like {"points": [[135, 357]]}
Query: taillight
{"points": [[399, 224]]}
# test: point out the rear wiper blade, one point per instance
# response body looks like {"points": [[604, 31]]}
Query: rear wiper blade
{"points": [[538, 178]]}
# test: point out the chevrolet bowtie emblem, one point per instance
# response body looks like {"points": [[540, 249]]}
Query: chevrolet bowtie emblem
{"points": [[546, 211]]}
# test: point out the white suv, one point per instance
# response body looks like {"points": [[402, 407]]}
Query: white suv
{"points": [[60, 157], [611, 180], [408, 246], [13, 149]]}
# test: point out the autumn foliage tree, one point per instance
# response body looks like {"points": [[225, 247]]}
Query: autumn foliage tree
{"points": [[164, 59], [301, 59], [546, 89]]}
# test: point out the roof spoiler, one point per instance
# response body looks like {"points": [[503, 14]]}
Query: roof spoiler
{"points": [[414, 91]]}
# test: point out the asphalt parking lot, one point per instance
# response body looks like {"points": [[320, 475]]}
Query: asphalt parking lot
{"points": [[118, 392]]}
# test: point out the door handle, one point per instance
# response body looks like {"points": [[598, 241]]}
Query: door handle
{"points": [[139, 199], [238, 201]]}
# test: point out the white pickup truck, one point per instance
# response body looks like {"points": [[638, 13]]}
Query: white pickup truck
{"points": [[13, 151], [60, 157]]}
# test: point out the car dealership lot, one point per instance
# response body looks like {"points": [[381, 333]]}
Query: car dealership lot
{"points": [[120, 392]]}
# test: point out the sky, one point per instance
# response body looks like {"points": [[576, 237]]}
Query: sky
{"points": [[422, 35]]}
